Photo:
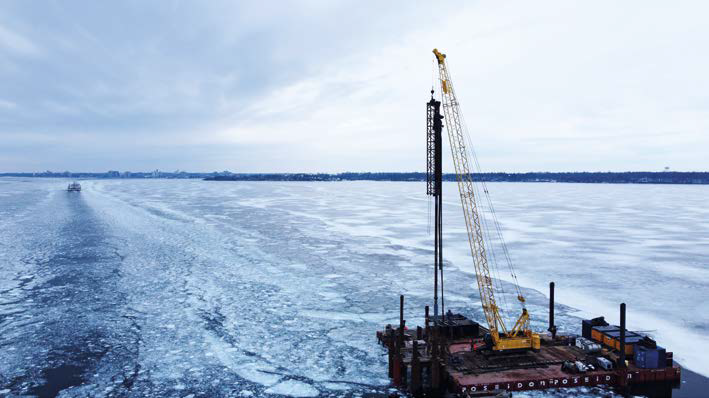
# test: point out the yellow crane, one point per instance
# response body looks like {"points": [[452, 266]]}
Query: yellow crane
{"points": [[521, 335]]}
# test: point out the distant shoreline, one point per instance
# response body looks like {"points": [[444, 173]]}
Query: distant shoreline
{"points": [[570, 177], [629, 177]]}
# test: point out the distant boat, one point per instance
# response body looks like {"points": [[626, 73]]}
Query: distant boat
{"points": [[74, 186]]}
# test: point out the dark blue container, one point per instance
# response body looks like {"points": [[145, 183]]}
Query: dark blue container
{"points": [[650, 358], [586, 328]]}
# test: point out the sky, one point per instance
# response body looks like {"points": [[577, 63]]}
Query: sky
{"points": [[332, 86]]}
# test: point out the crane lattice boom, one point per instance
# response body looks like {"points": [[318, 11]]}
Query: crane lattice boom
{"points": [[520, 336]]}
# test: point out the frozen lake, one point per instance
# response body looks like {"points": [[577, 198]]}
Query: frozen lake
{"points": [[190, 288]]}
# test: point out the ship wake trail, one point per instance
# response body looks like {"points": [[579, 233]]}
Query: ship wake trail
{"points": [[227, 305], [69, 328]]}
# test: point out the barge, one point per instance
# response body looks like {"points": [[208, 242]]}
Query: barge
{"points": [[448, 357]]}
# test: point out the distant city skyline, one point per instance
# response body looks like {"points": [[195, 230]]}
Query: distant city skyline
{"points": [[308, 86]]}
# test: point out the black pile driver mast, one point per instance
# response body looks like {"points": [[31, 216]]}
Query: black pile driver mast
{"points": [[434, 187]]}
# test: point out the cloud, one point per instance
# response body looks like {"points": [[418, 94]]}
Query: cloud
{"points": [[7, 105], [336, 86], [16, 43]]}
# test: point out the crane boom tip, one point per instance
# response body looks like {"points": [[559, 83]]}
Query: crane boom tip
{"points": [[439, 56]]}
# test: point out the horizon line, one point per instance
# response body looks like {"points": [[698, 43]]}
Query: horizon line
{"points": [[50, 172]]}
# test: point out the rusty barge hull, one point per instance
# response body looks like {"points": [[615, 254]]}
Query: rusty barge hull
{"points": [[550, 376], [542, 370]]}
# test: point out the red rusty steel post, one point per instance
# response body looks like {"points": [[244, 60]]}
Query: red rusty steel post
{"points": [[435, 374], [396, 370], [400, 337], [435, 366], [434, 341], [400, 354], [428, 331], [622, 334], [552, 326], [622, 375], [415, 370]]}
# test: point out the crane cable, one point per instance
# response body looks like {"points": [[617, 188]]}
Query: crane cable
{"points": [[497, 285], [492, 212]]}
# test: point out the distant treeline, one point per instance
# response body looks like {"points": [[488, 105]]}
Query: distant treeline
{"points": [[630, 177]]}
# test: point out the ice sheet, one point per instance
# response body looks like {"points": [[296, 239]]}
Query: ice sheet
{"points": [[179, 287]]}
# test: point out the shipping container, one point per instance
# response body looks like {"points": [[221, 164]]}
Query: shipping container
{"points": [[612, 339], [650, 358], [608, 339], [598, 331]]}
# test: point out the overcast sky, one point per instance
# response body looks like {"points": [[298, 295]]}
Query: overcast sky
{"points": [[324, 86]]}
